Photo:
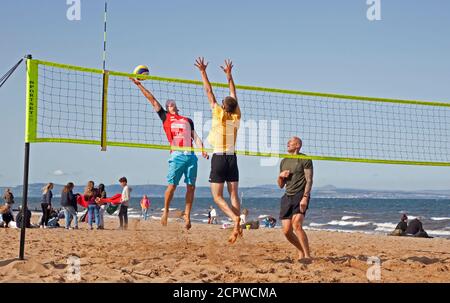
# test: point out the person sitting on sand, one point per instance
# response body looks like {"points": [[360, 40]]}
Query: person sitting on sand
{"points": [[246, 223], [20, 218], [297, 176], [244, 216], [415, 228], [269, 222], [7, 215], [401, 227]]}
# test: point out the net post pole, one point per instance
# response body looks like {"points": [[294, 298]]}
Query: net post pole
{"points": [[104, 109], [26, 168]]}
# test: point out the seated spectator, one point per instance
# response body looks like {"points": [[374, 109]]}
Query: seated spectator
{"points": [[7, 215], [415, 228], [19, 219], [401, 227]]}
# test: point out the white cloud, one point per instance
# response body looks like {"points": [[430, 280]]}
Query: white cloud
{"points": [[58, 172]]}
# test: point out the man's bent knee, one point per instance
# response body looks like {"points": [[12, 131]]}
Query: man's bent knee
{"points": [[297, 227]]}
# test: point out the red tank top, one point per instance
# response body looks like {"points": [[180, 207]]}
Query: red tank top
{"points": [[178, 130]]}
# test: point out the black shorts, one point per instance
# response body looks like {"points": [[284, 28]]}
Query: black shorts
{"points": [[224, 168], [290, 205]]}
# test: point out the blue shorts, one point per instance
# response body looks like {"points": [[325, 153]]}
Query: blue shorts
{"points": [[180, 164]]}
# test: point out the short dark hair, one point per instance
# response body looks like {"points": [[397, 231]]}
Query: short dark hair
{"points": [[229, 104], [123, 179]]}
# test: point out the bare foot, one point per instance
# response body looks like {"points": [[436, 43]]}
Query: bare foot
{"points": [[187, 221], [237, 231], [234, 235], [164, 218]]}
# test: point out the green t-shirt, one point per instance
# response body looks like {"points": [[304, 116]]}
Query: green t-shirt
{"points": [[296, 181]]}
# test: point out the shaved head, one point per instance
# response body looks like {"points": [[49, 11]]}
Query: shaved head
{"points": [[294, 145]]}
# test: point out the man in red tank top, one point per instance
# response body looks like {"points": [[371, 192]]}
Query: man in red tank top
{"points": [[181, 134]]}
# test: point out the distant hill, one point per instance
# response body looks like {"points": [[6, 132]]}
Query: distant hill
{"points": [[263, 191]]}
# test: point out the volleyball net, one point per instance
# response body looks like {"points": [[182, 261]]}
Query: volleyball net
{"points": [[71, 104]]}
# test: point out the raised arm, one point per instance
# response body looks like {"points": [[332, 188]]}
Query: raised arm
{"points": [[227, 70], [201, 65], [156, 105]]}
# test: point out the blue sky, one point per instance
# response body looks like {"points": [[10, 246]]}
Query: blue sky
{"points": [[325, 46]]}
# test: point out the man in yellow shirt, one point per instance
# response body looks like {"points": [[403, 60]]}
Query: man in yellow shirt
{"points": [[225, 124]]}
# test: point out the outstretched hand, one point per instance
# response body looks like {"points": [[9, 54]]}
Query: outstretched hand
{"points": [[227, 67], [200, 64]]}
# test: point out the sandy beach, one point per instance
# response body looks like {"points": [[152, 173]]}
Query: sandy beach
{"points": [[148, 252]]}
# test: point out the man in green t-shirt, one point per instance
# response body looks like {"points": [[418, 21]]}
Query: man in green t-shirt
{"points": [[297, 176]]}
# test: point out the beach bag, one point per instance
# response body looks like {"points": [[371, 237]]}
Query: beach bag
{"points": [[52, 223], [111, 209], [83, 217]]}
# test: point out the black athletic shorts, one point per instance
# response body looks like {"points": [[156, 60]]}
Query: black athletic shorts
{"points": [[290, 205], [224, 168]]}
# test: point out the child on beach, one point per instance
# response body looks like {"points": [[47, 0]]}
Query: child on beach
{"points": [[123, 212], [102, 207], [90, 194], [145, 206]]}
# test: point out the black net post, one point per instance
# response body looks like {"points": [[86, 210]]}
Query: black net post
{"points": [[24, 209]]}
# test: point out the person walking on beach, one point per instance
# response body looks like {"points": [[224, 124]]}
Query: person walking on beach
{"points": [[209, 215], [124, 203], [225, 124], [213, 215], [296, 175], [145, 206], [181, 134], [101, 194], [69, 204], [90, 194], [8, 197], [46, 204]]}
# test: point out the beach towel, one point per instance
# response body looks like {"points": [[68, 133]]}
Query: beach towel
{"points": [[113, 200]]}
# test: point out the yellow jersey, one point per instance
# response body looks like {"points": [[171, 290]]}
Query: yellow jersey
{"points": [[223, 133]]}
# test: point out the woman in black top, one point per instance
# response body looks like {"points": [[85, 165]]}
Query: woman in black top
{"points": [[402, 225], [102, 195], [69, 203], [46, 204]]}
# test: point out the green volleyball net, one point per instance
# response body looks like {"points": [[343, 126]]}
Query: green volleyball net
{"points": [[71, 104]]}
